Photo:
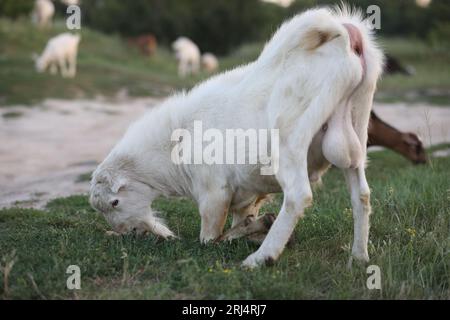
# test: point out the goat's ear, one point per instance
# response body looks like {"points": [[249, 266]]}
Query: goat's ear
{"points": [[411, 138], [315, 37], [118, 184]]}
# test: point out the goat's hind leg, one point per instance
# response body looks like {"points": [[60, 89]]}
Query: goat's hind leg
{"points": [[255, 229], [360, 197], [72, 59], [293, 177]]}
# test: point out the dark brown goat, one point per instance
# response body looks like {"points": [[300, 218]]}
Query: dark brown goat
{"points": [[147, 44], [407, 144], [393, 65]]}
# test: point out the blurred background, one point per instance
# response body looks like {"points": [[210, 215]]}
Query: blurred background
{"points": [[55, 129], [416, 32]]}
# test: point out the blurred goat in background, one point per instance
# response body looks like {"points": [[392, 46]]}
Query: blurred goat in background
{"points": [[61, 51], [188, 55], [210, 63], [146, 43], [43, 13]]}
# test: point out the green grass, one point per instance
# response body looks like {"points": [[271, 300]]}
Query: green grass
{"points": [[107, 65], [409, 241]]}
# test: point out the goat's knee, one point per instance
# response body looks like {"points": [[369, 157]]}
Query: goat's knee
{"points": [[296, 203], [364, 197]]}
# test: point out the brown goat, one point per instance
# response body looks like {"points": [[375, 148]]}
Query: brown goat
{"points": [[407, 144], [393, 66], [146, 43]]}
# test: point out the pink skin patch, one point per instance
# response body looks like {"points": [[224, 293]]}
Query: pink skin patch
{"points": [[356, 42]]}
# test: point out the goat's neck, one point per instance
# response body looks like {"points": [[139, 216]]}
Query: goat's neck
{"points": [[381, 134]]}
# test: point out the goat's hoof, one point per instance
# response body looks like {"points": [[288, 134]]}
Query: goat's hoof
{"points": [[255, 260], [172, 237], [360, 259], [250, 263], [208, 240]]}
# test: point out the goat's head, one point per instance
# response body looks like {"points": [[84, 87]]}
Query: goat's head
{"points": [[39, 63], [123, 201], [413, 148]]}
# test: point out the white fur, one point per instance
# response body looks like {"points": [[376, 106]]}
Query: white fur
{"points": [[43, 12], [293, 86], [210, 62], [61, 51], [188, 56]]}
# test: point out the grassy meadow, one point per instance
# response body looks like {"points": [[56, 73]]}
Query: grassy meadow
{"points": [[409, 241]]}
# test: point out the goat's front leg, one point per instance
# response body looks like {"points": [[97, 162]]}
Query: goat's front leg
{"points": [[293, 177], [53, 68], [72, 59], [182, 69], [63, 67], [213, 212], [360, 196]]}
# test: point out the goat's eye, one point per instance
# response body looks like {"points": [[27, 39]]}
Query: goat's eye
{"points": [[115, 203]]}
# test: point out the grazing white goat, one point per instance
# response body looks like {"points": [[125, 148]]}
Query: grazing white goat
{"points": [[188, 55], [61, 51], [210, 62], [314, 82], [43, 13]]}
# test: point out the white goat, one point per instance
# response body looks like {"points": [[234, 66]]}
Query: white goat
{"points": [[314, 82], [43, 13], [188, 55], [61, 51], [210, 62]]}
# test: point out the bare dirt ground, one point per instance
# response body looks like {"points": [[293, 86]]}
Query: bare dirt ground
{"points": [[48, 150]]}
